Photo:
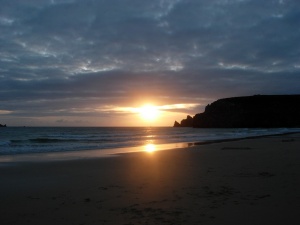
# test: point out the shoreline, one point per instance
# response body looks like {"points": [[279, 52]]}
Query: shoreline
{"points": [[252, 181], [113, 152], [243, 138]]}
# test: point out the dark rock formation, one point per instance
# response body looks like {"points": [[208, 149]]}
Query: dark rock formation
{"points": [[268, 111], [188, 122], [176, 124], [2, 125]]}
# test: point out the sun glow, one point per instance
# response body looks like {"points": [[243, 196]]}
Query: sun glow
{"points": [[149, 112], [150, 148]]}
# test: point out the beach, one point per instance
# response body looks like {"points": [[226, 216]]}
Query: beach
{"points": [[248, 182]]}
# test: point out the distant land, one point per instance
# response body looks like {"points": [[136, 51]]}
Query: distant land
{"points": [[2, 125], [258, 111]]}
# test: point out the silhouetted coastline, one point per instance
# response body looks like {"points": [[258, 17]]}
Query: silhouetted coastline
{"points": [[258, 111]]}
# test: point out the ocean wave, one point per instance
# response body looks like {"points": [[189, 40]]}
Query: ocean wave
{"points": [[33, 140], [4, 143], [49, 140], [56, 140]]}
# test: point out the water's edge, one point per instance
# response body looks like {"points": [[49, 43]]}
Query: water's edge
{"points": [[103, 153]]}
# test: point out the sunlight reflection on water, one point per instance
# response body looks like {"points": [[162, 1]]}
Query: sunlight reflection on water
{"points": [[89, 154], [150, 148]]}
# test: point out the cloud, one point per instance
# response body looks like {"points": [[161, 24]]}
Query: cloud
{"points": [[65, 57]]}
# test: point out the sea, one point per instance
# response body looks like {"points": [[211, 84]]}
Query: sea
{"points": [[27, 140]]}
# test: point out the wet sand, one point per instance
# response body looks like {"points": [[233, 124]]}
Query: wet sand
{"points": [[247, 182]]}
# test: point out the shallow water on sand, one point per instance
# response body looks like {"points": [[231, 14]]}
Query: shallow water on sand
{"points": [[24, 140]]}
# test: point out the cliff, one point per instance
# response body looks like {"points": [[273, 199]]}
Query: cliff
{"points": [[268, 111]]}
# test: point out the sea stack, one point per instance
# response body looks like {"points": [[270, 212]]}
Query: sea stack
{"points": [[188, 122]]}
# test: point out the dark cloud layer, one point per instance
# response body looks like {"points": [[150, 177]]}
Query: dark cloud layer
{"points": [[59, 56]]}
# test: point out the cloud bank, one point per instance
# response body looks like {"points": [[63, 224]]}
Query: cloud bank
{"points": [[67, 58]]}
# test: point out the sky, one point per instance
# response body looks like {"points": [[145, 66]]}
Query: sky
{"points": [[96, 62]]}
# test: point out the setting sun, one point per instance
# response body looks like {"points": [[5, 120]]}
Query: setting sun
{"points": [[149, 112]]}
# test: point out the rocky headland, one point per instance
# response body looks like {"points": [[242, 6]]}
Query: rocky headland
{"points": [[265, 111]]}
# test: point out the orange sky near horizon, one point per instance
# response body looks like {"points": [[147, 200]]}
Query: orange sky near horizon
{"points": [[143, 115]]}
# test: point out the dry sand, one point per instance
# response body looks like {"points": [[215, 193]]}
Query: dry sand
{"points": [[246, 182]]}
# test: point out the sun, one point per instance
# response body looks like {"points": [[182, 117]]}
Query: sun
{"points": [[149, 112]]}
